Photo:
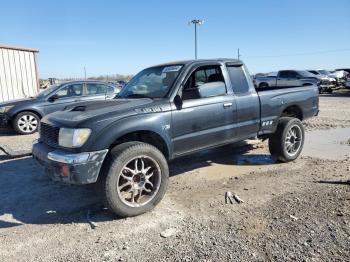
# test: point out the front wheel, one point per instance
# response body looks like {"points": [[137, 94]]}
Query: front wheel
{"points": [[134, 178], [26, 123], [287, 142]]}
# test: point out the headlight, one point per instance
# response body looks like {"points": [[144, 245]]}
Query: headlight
{"points": [[5, 109], [73, 138]]}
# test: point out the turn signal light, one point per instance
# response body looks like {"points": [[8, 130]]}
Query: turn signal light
{"points": [[65, 170]]}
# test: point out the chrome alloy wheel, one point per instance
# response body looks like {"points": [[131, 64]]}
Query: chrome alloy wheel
{"points": [[27, 123], [293, 140], [139, 181]]}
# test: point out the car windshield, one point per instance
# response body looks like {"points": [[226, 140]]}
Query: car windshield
{"points": [[154, 82], [47, 91], [324, 72], [305, 74]]}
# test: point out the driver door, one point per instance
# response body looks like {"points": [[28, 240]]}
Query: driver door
{"points": [[204, 120], [67, 95]]}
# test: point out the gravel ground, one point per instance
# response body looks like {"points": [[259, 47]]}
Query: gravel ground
{"points": [[291, 212]]}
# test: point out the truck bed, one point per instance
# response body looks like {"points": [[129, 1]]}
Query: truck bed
{"points": [[274, 101]]}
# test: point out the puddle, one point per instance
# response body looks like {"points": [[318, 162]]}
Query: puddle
{"points": [[255, 160], [327, 144]]}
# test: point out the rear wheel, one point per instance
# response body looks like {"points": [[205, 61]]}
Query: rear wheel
{"points": [[287, 142], [134, 178], [264, 85], [26, 123]]}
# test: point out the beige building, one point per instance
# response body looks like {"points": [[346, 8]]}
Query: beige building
{"points": [[18, 73]]}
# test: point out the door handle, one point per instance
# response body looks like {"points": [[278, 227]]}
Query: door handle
{"points": [[227, 105]]}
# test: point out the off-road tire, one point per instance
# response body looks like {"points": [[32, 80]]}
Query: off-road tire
{"points": [[112, 168], [277, 140]]}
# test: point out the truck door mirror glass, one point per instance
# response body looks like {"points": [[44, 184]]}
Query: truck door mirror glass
{"points": [[212, 89], [178, 102]]}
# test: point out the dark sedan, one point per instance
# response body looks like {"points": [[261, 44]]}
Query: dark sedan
{"points": [[24, 115]]}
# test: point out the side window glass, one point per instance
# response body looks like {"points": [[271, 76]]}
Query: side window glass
{"points": [[200, 77], [293, 74], [206, 81], [110, 90], [238, 79], [91, 89], [283, 74], [70, 91]]}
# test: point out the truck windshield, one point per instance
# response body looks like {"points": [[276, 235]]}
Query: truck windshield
{"points": [[154, 82], [305, 74], [324, 72]]}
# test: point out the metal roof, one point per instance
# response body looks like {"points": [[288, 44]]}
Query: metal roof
{"points": [[19, 48]]}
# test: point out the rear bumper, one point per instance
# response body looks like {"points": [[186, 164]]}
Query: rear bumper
{"points": [[63, 166], [4, 120]]}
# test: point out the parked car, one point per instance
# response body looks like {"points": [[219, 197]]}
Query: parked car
{"points": [[347, 83], [345, 74], [325, 78], [292, 78], [120, 83], [338, 75], [343, 69], [165, 112], [24, 115]]}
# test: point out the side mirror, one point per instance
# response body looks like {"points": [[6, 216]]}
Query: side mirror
{"points": [[178, 102], [53, 98]]}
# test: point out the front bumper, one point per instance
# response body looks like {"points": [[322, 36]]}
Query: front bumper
{"points": [[63, 166], [4, 120]]}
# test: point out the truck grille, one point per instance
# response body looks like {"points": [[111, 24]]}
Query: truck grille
{"points": [[325, 82], [49, 134]]}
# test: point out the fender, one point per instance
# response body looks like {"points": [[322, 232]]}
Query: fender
{"points": [[158, 123]]}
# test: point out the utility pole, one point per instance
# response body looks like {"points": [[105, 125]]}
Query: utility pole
{"points": [[238, 55], [85, 72], [196, 22]]}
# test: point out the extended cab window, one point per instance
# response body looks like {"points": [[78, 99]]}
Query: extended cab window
{"points": [[206, 81], [70, 91], [238, 79]]}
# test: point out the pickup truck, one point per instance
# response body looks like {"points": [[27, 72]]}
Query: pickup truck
{"points": [[292, 78], [123, 146]]}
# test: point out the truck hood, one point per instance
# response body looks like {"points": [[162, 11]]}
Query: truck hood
{"points": [[116, 108]]}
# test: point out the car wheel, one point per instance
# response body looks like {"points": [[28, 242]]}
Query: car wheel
{"points": [[134, 178], [287, 142], [263, 85], [26, 123]]}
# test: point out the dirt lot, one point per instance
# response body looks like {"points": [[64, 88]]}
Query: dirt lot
{"points": [[298, 211]]}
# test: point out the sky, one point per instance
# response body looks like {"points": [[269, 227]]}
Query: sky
{"points": [[110, 37]]}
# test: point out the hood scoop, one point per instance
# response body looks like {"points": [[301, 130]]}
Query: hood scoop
{"points": [[79, 109]]}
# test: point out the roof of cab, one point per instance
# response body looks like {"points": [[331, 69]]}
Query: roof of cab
{"points": [[186, 62]]}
